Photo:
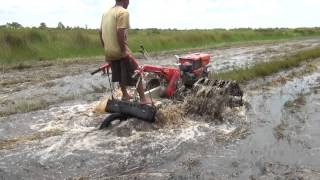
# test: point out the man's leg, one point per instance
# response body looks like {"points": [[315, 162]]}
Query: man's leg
{"points": [[116, 77], [125, 94], [127, 70], [143, 98]]}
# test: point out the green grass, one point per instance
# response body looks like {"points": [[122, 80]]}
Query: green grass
{"points": [[18, 45], [268, 68], [28, 45]]}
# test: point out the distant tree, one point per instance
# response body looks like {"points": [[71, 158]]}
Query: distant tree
{"points": [[14, 25], [76, 27], [43, 25], [61, 26]]}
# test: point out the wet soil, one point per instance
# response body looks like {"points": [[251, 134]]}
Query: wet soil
{"points": [[45, 84], [275, 136]]}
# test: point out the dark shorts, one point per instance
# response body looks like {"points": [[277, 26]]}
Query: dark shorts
{"points": [[122, 71]]}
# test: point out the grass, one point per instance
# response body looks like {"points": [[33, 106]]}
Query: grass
{"points": [[20, 45], [32, 104], [268, 68], [23, 106], [11, 143], [29, 105], [279, 131], [295, 105]]}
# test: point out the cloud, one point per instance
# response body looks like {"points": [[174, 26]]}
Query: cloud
{"points": [[226, 13], [71, 12], [182, 14]]}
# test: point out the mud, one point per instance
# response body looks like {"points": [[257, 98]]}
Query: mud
{"points": [[48, 84], [274, 136]]}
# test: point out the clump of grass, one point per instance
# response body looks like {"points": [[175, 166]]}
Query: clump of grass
{"points": [[11, 81], [295, 104], [21, 66], [170, 115], [29, 105], [11, 143], [268, 68], [279, 131], [301, 100], [190, 163], [69, 97], [24, 106], [99, 88]]}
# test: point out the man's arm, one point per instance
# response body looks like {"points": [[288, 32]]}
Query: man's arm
{"points": [[101, 40], [121, 34], [122, 27]]}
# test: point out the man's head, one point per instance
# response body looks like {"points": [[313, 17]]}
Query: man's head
{"points": [[124, 3]]}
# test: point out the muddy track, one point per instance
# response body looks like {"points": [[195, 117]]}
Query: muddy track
{"points": [[45, 84], [275, 136]]}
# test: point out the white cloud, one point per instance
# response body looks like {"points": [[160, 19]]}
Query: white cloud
{"points": [[183, 14], [71, 12]]}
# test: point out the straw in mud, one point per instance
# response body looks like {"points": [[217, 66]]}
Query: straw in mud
{"points": [[101, 106], [171, 115]]}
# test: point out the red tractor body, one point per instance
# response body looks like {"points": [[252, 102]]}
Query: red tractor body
{"points": [[199, 63], [191, 68], [170, 82], [198, 59]]}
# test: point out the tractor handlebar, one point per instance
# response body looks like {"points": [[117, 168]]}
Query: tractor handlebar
{"points": [[102, 68], [95, 71]]}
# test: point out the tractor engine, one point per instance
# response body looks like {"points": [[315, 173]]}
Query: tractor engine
{"points": [[193, 67]]}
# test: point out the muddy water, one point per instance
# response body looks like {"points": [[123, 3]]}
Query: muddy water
{"points": [[269, 153], [282, 137], [195, 150], [248, 56]]}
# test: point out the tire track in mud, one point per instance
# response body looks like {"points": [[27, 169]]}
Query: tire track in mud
{"points": [[194, 150]]}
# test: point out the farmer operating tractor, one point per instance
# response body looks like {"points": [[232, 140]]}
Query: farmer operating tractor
{"points": [[113, 35], [188, 78]]}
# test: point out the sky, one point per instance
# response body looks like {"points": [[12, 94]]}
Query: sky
{"points": [[163, 14]]}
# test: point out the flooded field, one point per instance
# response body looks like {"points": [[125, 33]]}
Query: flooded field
{"points": [[274, 136]]}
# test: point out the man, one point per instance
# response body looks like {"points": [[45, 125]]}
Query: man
{"points": [[113, 36]]}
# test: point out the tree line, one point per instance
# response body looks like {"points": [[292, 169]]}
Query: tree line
{"points": [[16, 25]]}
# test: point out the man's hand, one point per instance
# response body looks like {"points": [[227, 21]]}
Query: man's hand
{"points": [[133, 61], [129, 55]]}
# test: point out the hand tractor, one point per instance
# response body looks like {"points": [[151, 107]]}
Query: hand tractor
{"points": [[167, 82]]}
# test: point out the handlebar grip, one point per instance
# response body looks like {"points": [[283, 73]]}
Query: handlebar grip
{"points": [[96, 71]]}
